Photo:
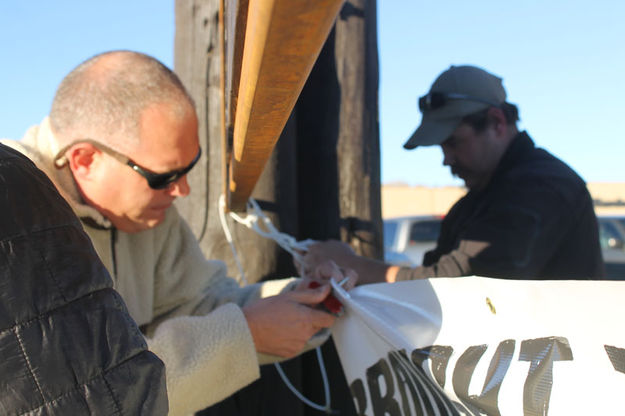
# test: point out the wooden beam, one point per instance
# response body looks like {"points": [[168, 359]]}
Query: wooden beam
{"points": [[282, 41]]}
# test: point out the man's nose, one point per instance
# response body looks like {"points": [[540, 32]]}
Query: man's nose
{"points": [[180, 188]]}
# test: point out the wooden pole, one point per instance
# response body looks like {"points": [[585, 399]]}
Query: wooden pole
{"points": [[282, 41]]}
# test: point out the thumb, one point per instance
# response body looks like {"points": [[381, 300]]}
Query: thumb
{"points": [[311, 296]]}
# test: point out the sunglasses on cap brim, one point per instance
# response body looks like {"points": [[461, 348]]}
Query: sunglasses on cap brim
{"points": [[436, 100]]}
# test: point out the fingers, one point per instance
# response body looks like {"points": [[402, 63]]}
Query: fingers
{"points": [[330, 270], [320, 319], [313, 256], [310, 296], [281, 325], [352, 278], [322, 251], [306, 304]]}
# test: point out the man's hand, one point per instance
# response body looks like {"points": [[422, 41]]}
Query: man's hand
{"points": [[282, 325], [327, 270], [323, 251], [368, 270]]}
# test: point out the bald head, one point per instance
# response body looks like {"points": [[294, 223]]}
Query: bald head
{"points": [[103, 98]]}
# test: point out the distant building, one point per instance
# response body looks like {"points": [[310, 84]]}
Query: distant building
{"points": [[401, 199]]}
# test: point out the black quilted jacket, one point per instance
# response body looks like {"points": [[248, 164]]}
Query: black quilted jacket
{"points": [[67, 343]]}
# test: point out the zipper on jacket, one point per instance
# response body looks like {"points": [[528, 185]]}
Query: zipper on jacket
{"points": [[113, 256]]}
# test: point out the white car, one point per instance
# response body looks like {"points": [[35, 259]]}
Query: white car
{"points": [[407, 239]]}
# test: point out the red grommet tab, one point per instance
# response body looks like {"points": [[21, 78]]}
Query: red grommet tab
{"points": [[331, 304]]}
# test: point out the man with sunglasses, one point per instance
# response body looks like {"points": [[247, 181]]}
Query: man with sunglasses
{"points": [[527, 215], [121, 136]]}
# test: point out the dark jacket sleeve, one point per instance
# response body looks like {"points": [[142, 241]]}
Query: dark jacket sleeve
{"points": [[67, 343]]}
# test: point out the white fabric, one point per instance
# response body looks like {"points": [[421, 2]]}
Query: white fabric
{"points": [[164, 279], [492, 346]]}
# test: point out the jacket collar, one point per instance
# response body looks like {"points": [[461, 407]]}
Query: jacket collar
{"points": [[41, 146], [519, 147]]}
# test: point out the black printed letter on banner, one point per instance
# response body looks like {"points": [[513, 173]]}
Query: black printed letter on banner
{"points": [[617, 357], [439, 356], [358, 393], [541, 352], [487, 401], [425, 394], [382, 405]]}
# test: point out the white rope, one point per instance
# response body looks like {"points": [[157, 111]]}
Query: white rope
{"points": [[326, 386], [252, 220], [224, 225]]}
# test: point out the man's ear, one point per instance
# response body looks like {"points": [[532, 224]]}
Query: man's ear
{"points": [[82, 158], [498, 120]]}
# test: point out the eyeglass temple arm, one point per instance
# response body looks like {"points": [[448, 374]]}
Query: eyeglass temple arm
{"points": [[59, 162]]}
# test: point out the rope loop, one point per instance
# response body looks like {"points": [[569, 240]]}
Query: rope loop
{"points": [[257, 221], [253, 220]]}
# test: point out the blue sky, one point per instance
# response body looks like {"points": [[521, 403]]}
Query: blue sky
{"points": [[563, 64], [43, 40]]}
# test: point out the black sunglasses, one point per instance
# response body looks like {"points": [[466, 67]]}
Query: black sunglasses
{"points": [[155, 180], [163, 180], [436, 100]]}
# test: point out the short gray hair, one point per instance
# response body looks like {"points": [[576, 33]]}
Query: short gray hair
{"points": [[103, 97]]}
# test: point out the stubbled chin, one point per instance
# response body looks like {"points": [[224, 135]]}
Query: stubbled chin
{"points": [[461, 177], [155, 218], [149, 218]]}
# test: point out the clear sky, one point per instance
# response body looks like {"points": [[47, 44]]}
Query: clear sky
{"points": [[41, 41], [563, 64]]}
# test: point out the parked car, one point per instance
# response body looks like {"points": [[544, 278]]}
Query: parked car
{"points": [[407, 239], [612, 239]]}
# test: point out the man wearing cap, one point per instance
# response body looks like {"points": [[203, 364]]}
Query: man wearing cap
{"points": [[527, 214]]}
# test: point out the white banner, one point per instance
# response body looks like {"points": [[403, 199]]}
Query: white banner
{"points": [[480, 346]]}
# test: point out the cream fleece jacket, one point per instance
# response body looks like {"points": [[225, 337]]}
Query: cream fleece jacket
{"points": [[188, 307]]}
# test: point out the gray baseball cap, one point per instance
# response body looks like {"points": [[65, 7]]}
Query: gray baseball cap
{"points": [[456, 93]]}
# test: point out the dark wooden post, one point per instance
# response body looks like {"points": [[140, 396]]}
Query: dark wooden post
{"points": [[338, 158], [323, 180], [197, 62], [338, 136]]}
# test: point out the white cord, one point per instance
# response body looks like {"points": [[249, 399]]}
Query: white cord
{"points": [[255, 217], [295, 248], [326, 386], [224, 226]]}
